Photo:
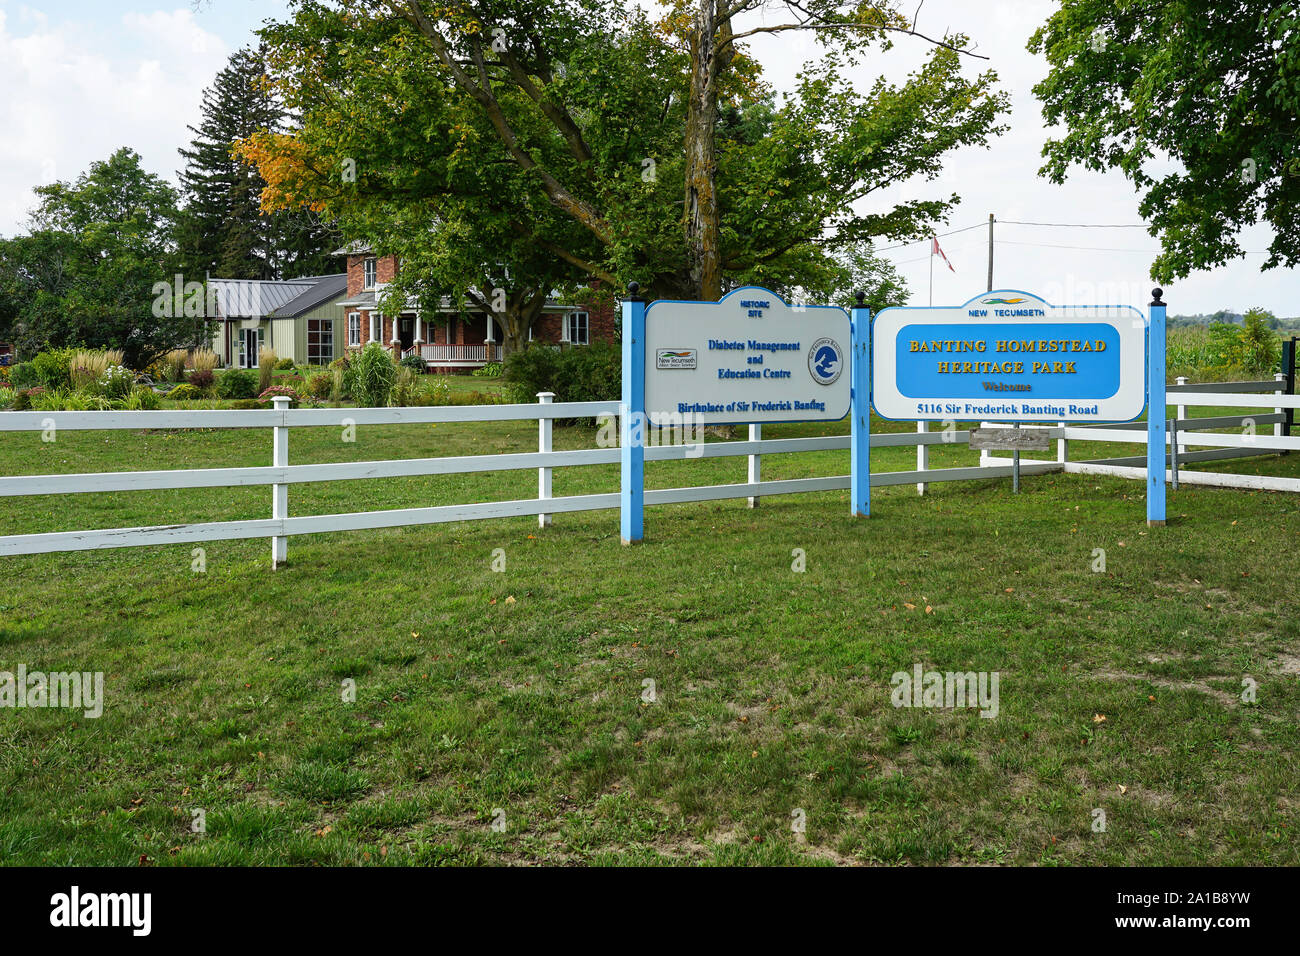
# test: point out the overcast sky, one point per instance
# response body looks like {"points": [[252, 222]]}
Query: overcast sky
{"points": [[84, 77]]}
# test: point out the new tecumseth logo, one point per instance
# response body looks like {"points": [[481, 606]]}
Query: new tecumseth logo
{"points": [[825, 361], [75, 908]]}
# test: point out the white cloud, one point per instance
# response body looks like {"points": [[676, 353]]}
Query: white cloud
{"points": [[74, 94]]}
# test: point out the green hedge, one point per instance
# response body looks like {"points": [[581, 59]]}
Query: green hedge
{"points": [[584, 373]]}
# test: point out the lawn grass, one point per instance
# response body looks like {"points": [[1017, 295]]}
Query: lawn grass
{"points": [[518, 696]]}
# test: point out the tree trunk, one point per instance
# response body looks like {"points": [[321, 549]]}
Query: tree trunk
{"points": [[702, 229]]}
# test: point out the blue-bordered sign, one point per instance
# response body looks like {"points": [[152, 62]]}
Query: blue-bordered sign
{"points": [[1010, 356], [748, 358]]}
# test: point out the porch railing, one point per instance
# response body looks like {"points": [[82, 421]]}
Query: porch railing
{"points": [[451, 354]]}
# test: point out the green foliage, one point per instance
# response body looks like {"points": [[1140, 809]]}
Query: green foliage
{"points": [[237, 383], [320, 385], [222, 231], [1213, 87], [183, 393], [490, 370], [373, 376], [24, 375], [1261, 347], [142, 398], [87, 271], [284, 365], [587, 373], [414, 363], [589, 185], [530, 370], [54, 367]]}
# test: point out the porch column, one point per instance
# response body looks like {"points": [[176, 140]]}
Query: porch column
{"points": [[491, 328], [372, 336], [418, 337]]}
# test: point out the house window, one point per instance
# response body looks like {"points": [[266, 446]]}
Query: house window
{"points": [[576, 328], [354, 330], [370, 268], [250, 344], [320, 341]]}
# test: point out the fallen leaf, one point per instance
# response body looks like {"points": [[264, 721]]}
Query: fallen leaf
{"points": [[1098, 718]]}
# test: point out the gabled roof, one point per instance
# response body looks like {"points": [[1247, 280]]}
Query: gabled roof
{"points": [[259, 298], [323, 290], [358, 247]]}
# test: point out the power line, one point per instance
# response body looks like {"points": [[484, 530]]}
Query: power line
{"points": [[1077, 225]]}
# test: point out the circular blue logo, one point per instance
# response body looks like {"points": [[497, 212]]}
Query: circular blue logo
{"points": [[825, 361]]}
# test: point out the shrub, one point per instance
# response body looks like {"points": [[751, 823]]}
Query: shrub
{"points": [[374, 373], [142, 399], [23, 398], [115, 383], [587, 373], [247, 403], [183, 393], [531, 370], [203, 378], [266, 359], [280, 391], [320, 385], [236, 383], [54, 368], [414, 363], [490, 370], [24, 375], [285, 365]]}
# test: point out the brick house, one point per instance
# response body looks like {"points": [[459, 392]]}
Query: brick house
{"points": [[454, 341]]}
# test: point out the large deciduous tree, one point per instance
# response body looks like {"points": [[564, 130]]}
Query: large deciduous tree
{"points": [[1197, 102], [85, 272], [627, 148]]}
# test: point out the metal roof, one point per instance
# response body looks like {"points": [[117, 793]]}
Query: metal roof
{"points": [[324, 289]]}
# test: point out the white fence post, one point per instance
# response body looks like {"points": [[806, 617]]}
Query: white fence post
{"points": [[754, 476], [1062, 448], [922, 455], [1280, 378], [544, 445], [1182, 411], [280, 493]]}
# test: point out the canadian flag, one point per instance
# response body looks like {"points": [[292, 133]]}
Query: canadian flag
{"points": [[941, 255]]}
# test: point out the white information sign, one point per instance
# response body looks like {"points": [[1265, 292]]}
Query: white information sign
{"points": [[1009, 356], [747, 359]]}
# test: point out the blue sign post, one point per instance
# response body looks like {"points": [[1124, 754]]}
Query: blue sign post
{"points": [[1156, 408], [632, 424], [860, 413]]}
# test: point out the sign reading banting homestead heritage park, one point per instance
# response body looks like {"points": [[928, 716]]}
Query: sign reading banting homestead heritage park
{"points": [[748, 358], [1010, 356]]}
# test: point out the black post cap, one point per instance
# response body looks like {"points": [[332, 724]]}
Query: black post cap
{"points": [[862, 299], [1155, 296], [634, 291]]}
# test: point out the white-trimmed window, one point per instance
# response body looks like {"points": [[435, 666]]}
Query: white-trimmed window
{"points": [[370, 269], [320, 341], [354, 330], [577, 328]]}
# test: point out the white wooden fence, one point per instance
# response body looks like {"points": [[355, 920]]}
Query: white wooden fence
{"points": [[1212, 446], [279, 475]]}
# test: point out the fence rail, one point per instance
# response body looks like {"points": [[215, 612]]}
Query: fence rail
{"points": [[280, 474]]}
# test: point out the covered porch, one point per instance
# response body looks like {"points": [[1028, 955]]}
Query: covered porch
{"points": [[452, 341]]}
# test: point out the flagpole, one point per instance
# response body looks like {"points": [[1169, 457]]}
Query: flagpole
{"points": [[933, 241]]}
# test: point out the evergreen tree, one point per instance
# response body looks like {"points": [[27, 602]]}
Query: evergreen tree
{"points": [[222, 230]]}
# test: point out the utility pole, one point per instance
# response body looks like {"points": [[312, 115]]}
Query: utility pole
{"points": [[990, 252]]}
